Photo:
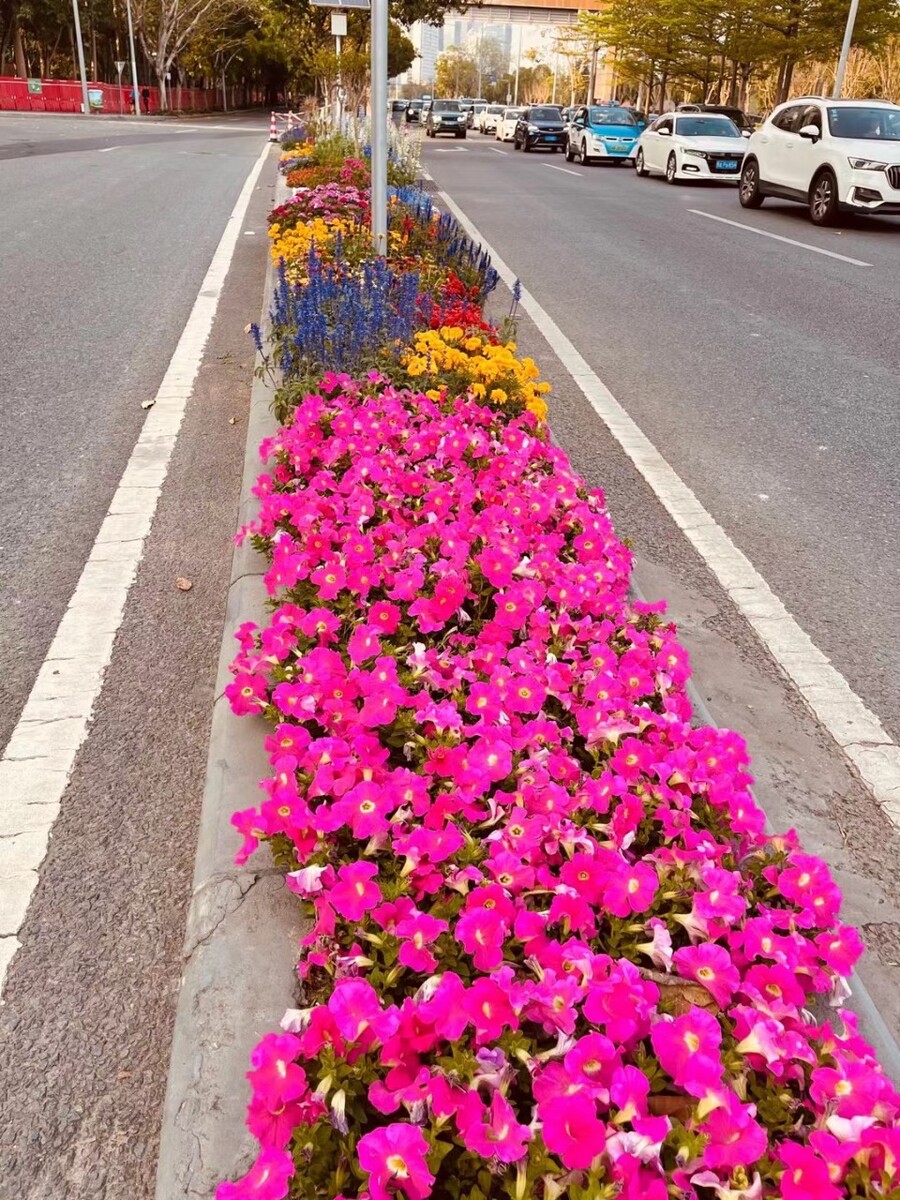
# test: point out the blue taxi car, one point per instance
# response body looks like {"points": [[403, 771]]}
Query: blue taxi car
{"points": [[603, 131]]}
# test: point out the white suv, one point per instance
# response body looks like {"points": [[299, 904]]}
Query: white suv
{"points": [[833, 155]]}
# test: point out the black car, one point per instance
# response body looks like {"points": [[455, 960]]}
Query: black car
{"points": [[445, 116], [737, 115], [414, 111], [540, 126], [399, 106]]}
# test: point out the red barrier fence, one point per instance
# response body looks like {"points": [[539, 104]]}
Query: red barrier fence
{"points": [[64, 95]]}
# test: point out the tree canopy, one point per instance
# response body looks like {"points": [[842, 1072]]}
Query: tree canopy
{"points": [[712, 49], [271, 47]]}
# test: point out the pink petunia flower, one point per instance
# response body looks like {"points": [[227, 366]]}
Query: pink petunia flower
{"points": [[688, 1050], [267, 1179], [354, 893], [806, 1175], [710, 965], [573, 1131], [395, 1157], [417, 932], [735, 1138], [500, 1136]]}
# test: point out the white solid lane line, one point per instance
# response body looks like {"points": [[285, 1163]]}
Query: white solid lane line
{"points": [[38, 760], [107, 149], [855, 262], [853, 725], [497, 150], [551, 167]]}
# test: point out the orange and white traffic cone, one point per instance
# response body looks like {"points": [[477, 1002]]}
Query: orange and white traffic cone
{"points": [[273, 130]]}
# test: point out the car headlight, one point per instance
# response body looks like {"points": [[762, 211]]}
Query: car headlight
{"points": [[694, 153], [866, 164], [533, 129]]}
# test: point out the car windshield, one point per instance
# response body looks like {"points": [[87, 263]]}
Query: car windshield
{"points": [[512, 114], [495, 109], [545, 114], [415, 104], [611, 116], [706, 127], [878, 124], [445, 106]]}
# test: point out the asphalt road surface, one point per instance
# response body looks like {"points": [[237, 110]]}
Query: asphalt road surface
{"points": [[107, 229], [765, 373]]}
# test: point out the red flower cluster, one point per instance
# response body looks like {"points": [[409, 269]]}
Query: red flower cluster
{"points": [[459, 306]]}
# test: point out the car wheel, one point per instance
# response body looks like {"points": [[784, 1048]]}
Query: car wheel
{"points": [[584, 156], [672, 169], [639, 167], [461, 135], [823, 199], [749, 192], [570, 157]]}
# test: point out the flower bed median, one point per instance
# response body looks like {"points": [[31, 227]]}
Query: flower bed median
{"points": [[553, 951]]}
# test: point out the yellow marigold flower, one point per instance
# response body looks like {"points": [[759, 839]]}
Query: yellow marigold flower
{"points": [[498, 396], [478, 390]]}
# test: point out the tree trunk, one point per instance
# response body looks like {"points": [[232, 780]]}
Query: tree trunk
{"points": [[733, 84], [663, 84], [161, 84], [19, 50]]}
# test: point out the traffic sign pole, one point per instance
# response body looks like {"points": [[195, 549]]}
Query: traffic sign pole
{"points": [[120, 67]]}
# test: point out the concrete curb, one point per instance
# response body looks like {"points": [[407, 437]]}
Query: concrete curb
{"points": [[243, 926]]}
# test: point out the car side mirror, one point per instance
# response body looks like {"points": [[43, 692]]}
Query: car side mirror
{"points": [[811, 132], [664, 132], [745, 133]]}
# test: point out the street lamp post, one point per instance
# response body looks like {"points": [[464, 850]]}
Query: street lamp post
{"points": [[134, 78], [85, 99], [845, 50], [379, 77]]}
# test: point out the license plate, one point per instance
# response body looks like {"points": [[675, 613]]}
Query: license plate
{"points": [[728, 164], [551, 137]]}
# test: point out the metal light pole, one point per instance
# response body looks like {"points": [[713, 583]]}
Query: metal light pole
{"points": [[592, 80], [134, 78], [379, 77], [845, 50], [85, 99]]}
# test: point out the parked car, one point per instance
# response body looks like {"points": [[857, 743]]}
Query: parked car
{"points": [[832, 155], [506, 126], [445, 116], [414, 111], [540, 126], [601, 131], [475, 112], [640, 118], [684, 145], [487, 119], [737, 115], [399, 106]]}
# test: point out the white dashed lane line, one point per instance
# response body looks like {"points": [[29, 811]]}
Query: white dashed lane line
{"points": [[854, 262]]}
